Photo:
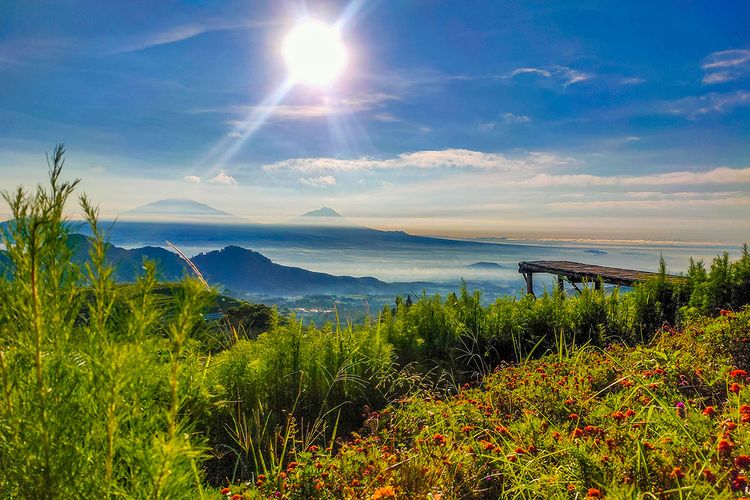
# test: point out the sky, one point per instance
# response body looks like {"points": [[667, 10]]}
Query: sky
{"points": [[575, 119]]}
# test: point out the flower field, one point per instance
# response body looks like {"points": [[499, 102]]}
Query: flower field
{"points": [[671, 418]]}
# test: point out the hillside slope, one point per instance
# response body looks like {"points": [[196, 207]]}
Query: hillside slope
{"points": [[671, 419]]}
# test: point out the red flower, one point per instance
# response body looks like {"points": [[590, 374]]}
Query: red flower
{"points": [[619, 416], [726, 312], [593, 493], [738, 373], [573, 416], [225, 491], [577, 432], [724, 446], [710, 476], [676, 473], [735, 388], [439, 439], [742, 461], [236, 496], [709, 411], [520, 451]]}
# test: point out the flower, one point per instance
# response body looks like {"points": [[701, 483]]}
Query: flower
{"points": [[738, 373], [593, 493], [383, 492], [709, 411], [742, 461], [676, 473], [236, 496], [226, 491], [724, 446], [439, 439], [735, 388], [710, 476]]}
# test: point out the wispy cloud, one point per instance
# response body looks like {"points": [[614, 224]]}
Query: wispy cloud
{"points": [[385, 117], [725, 66], [563, 74], [711, 103], [320, 107], [513, 118], [721, 175], [223, 178], [447, 158], [193, 179], [322, 181], [664, 204], [179, 33]]}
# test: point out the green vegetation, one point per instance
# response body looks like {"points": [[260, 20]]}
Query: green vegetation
{"points": [[129, 391]]}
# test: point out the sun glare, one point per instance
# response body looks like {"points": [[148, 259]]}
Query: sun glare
{"points": [[314, 53]]}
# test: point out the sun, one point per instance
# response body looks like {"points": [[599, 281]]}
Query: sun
{"points": [[314, 53]]}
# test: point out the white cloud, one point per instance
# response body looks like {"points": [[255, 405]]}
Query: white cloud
{"points": [[651, 204], [447, 158], [174, 34], [385, 117], [97, 169], [726, 65], [721, 175], [512, 118], [222, 178], [319, 108], [565, 75], [711, 103], [320, 182], [194, 179]]}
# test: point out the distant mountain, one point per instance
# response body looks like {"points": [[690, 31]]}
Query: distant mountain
{"points": [[181, 209], [324, 216], [240, 270], [128, 264], [485, 265], [321, 212], [246, 271]]}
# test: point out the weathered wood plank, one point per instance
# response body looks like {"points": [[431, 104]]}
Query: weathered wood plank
{"points": [[578, 272]]}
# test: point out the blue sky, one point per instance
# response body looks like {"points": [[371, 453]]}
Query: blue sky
{"points": [[546, 119]]}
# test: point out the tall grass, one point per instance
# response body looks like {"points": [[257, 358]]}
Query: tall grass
{"points": [[110, 390], [91, 393]]}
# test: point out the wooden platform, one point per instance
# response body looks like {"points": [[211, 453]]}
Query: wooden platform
{"points": [[576, 272]]}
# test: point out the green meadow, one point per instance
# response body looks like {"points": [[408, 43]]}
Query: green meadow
{"points": [[127, 391]]}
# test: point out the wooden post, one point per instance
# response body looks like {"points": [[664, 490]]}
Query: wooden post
{"points": [[529, 283]]}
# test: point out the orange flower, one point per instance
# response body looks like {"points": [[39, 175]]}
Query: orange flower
{"points": [[383, 492], [236, 496], [724, 446], [225, 491], [593, 493], [676, 473], [738, 373], [735, 388], [742, 461], [573, 416], [709, 411], [439, 439], [619, 416]]}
